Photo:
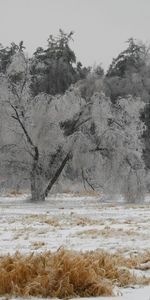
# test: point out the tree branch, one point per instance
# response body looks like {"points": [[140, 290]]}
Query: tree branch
{"points": [[57, 174], [17, 117], [87, 181]]}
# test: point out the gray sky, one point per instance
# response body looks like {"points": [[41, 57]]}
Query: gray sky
{"points": [[101, 26]]}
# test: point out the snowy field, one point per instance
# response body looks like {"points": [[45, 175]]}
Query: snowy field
{"points": [[77, 223]]}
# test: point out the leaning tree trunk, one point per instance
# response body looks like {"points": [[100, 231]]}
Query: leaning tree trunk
{"points": [[38, 193], [57, 174]]}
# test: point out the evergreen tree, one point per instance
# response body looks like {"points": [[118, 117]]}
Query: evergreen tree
{"points": [[55, 68]]}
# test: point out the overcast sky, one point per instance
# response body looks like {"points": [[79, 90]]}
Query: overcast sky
{"points": [[101, 26]]}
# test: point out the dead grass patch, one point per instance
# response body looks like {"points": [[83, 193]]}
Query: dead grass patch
{"points": [[13, 193], [81, 193], [21, 231], [88, 193], [68, 191], [32, 217], [84, 221], [50, 221], [135, 261], [137, 206], [42, 231], [37, 245], [17, 236], [42, 219], [64, 274], [107, 232]]}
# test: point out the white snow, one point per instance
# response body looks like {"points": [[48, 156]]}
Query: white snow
{"points": [[79, 223]]}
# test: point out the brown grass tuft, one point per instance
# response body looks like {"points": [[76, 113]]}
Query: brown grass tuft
{"points": [[50, 221], [106, 232], [37, 245], [88, 193], [135, 261], [84, 221], [14, 193], [63, 274]]}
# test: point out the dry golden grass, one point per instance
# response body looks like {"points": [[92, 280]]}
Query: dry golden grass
{"points": [[137, 206], [41, 219], [107, 232], [37, 245], [42, 231], [17, 236], [50, 221], [30, 218], [67, 191], [135, 261], [81, 193], [14, 193], [84, 221], [65, 274], [88, 193]]}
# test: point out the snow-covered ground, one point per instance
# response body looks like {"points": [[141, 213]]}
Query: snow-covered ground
{"points": [[79, 223]]}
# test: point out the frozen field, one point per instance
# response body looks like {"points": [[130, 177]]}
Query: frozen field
{"points": [[76, 223]]}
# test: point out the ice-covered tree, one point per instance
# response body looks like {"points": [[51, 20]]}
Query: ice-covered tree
{"points": [[113, 162], [43, 133], [36, 122]]}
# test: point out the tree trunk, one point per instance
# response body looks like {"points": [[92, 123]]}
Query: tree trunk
{"points": [[57, 174], [37, 193]]}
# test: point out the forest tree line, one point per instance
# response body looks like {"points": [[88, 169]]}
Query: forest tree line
{"points": [[62, 121]]}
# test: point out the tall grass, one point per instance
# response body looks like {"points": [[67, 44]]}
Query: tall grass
{"points": [[64, 274]]}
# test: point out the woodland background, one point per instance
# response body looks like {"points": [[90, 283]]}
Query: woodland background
{"points": [[65, 126]]}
